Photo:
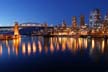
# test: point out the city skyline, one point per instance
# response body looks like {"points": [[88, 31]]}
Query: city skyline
{"points": [[52, 12], [53, 35]]}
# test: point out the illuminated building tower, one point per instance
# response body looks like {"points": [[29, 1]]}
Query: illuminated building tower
{"points": [[74, 22], [105, 22], [95, 18], [106, 17], [82, 22], [16, 29], [64, 24]]}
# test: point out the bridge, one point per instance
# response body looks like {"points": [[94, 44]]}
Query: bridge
{"points": [[7, 29], [3, 27]]}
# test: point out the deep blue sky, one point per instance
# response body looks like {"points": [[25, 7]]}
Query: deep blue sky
{"points": [[50, 11]]}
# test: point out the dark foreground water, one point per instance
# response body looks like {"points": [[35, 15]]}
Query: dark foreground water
{"points": [[58, 54]]}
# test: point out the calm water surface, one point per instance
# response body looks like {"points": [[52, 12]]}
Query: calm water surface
{"points": [[35, 54]]}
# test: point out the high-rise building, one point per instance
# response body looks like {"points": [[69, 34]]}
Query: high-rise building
{"points": [[106, 17], [63, 24], [74, 22], [105, 21], [95, 18], [82, 22]]}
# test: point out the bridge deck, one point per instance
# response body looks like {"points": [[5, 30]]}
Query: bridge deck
{"points": [[26, 26]]}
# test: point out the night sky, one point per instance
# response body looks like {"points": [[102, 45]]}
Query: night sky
{"points": [[50, 11]]}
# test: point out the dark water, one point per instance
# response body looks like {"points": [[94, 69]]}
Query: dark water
{"points": [[47, 54]]}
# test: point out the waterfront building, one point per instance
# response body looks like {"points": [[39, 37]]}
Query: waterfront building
{"points": [[83, 29], [74, 29], [63, 24], [106, 20], [95, 19], [74, 22], [82, 20], [96, 23], [62, 30], [105, 24], [106, 17]]}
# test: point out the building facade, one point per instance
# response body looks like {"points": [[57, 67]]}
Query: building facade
{"points": [[95, 19]]}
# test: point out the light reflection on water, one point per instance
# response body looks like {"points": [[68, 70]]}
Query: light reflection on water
{"points": [[0, 49], [28, 46], [23, 48]]}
